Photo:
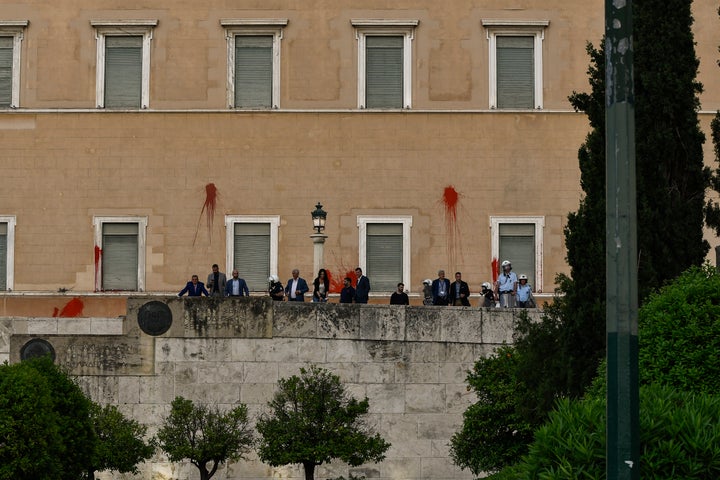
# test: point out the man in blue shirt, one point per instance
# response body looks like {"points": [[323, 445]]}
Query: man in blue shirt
{"points": [[506, 286], [236, 286]]}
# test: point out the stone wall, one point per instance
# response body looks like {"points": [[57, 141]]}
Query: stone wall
{"points": [[410, 362]]}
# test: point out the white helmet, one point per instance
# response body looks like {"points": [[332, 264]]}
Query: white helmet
{"points": [[522, 277], [273, 278], [486, 285], [427, 281], [506, 263]]}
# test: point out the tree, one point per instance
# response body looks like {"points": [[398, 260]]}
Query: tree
{"points": [[45, 426], [313, 420], [205, 435], [494, 433], [119, 441]]}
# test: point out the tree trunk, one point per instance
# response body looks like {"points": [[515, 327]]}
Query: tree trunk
{"points": [[309, 471], [203, 473]]}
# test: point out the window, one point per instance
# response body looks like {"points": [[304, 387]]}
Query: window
{"points": [[384, 62], [7, 253], [385, 250], [252, 248], [520, 240], [120, 253], [123, 63], [515, 63], [253, 50], [11, 35]]}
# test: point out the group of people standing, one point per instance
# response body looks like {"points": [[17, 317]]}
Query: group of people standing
{"points": [[508, 291]]}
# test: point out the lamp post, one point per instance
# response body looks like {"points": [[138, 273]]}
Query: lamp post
{"points": [[318, 217]]}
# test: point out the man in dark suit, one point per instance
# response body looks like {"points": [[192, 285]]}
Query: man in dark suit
{"points": [[236, 286], [194, 288], [459, 292], [362, 288], [296, 287], [216, 282], [441, 289]]}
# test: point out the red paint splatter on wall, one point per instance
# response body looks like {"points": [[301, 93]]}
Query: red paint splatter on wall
{"points": [[208, 208], [336, 283], [451, 202], [73, 308], [98, 256], [494, 269]]}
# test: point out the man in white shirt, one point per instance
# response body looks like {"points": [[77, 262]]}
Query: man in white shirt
{"points": [[296, 287]]}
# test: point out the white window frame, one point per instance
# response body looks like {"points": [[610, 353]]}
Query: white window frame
{"points": [[105, 28], [523, 28], [367, 27], [539, 223], [15, 29], [142, 238], [235, 27], [406, 221], [10, 260], [231, 220]]}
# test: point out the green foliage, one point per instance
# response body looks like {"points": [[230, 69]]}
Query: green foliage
{"points": [[494, 432], [679, 438], [313, 420], [205, 435], [45, 426], [120, 445], [680, 333]]}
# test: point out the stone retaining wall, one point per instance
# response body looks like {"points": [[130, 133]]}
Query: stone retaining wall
{"points": [[410, 362]]}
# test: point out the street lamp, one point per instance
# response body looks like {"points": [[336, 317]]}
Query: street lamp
{"points": [[318, 216]]}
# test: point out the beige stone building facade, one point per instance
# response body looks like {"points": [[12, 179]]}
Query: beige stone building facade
{"points": [[143, 141]]}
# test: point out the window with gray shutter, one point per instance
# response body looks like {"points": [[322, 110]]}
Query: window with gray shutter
{"points": [[517, 244], [252, 254], [3, 256], [6, 70], [253, 71], [384, 72], [515, 72], [123, 71], [384, 255], [120, 256]]}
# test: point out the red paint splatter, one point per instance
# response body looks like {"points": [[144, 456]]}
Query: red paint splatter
{"points": [[98, 256], [73, 308], [336, 284], [211, 196], [494, 268], [451, 201]]}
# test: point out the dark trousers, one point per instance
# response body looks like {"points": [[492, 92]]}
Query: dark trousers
{"points": [[441, 301]]}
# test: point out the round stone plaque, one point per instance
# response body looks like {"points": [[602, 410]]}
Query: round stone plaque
{"points": [[154, 318], [37, 347]]}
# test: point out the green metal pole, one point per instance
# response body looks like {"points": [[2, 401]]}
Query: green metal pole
{"points": [[623, 430]]}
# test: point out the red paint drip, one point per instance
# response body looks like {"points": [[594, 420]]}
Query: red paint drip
{"points": [[73, 308], [451, 200], [211, 196], [336, 284], [98, 255], [494, 268]]}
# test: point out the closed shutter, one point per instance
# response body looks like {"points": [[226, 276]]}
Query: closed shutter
{"points": [[120, 256], [515, 72], [6, 63], [253, 71], [252, 254], [3, 256], [123, 71], [384, 72], [384, 255], [517, 244]]}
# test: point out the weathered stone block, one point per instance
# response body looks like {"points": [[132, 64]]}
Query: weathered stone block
{"points": [[419, 352], [261, 372], [338, 321], [456, 352], [376, 372], [422, 324], [386, 398], [294, 319], [129, 389], [245, 317], [385, 322], [257, 393], [344, 351], [416, 372], [498, 326], [276, 350], [458, 397], [288, 369], [438, 426], [221, 372], [74, 326], [454, 372], [312, 350], [42, 326], [242, 349], [210, 393], [207, 349], [186, 373], [107, 326], [385, 351], [400, 467], [438, 468], [6, 330], [461, 324], [346, 371], [156, 390], [176, 305], [424, 398]]}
